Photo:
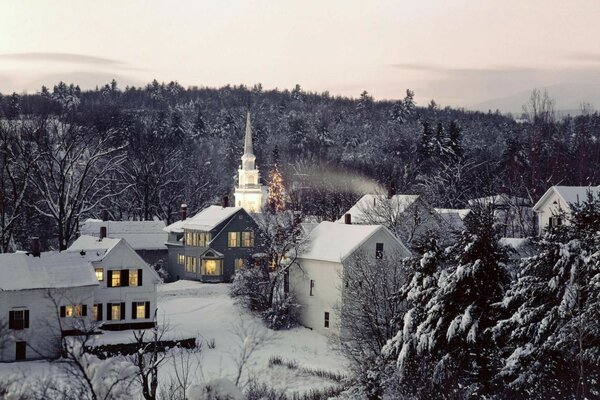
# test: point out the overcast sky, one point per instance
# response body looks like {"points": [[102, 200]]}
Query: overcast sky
{"points": [[459, 52]]}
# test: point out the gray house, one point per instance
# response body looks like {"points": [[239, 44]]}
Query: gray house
{"points": [[212, 245]]}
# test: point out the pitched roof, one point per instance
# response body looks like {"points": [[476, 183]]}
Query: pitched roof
{"points": [[20, 271], [500, 200], [141, 235], [569, 194], [92, 243], [334, 242], [205, 220], [454, 218], [397, 204]]}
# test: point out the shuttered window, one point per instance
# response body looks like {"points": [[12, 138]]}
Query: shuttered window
{"points": [[18, 319]]}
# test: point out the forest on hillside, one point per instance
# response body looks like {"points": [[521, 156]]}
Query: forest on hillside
{"points": [[138, 153]]}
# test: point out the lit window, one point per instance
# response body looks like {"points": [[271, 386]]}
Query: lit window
{"points": [[73, 311], [247, 239], [326, 320], [190, 264], [239, 264], [116, 278], [188, 238], [115, 311], [100, 274], [95, 312], [211, 267], [180, 259], [233, 239], [140, 310], [133, 277]]}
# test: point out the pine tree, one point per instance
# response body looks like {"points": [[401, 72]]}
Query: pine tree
{"points": [[550, 336], [455, 334], [453, 141]]}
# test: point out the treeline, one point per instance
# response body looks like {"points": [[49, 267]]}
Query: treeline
{"points": [[154, 147]]}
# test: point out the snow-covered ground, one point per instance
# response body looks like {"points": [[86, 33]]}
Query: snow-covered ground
{"points": [[193, 309]]}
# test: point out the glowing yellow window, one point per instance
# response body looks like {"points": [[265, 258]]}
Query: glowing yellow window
{"points": [[180, 259], [133, 277], [190, 264], [211, 267], [233, 239], [100, 274], [140, 310], [239, 264], [73, 311], [116, 278], [95, 313], [247, 239], [115, 311]]}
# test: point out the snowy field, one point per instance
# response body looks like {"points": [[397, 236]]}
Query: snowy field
{"points": [[205, 311]]}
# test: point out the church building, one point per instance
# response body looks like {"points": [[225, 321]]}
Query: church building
{"points": [[249, 193]]}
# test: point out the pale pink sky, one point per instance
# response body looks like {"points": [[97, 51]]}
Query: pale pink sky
{"points": [[459, 52]]}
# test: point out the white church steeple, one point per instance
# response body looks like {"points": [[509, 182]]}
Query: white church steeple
{"points": [[249, 193]]}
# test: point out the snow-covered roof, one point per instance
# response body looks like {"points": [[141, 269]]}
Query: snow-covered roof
{"points": [[453, 217], [20, 271], [141, 235], [334, 242], [92, 243], [205, 220], [500, 200], [569, 194], [396, 204]]}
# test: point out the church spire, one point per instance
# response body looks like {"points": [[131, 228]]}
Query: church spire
{"points": [[248, 150]]}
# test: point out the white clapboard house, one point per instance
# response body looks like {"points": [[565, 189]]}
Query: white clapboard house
{"points": [[317, 282], [554, 207], [43, 296], [126, 295]]}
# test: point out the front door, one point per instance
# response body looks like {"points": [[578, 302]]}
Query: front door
{"points": [[21, 348]]}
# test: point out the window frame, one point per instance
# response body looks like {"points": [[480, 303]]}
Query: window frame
{"points": [[379, 251], [247, 239], [233, 239], [115, 277], [326, 320], [133, 273]]}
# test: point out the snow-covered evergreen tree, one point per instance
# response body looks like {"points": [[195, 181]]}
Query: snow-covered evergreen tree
{"points": [[551, 337]]}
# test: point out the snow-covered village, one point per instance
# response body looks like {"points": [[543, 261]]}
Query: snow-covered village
{"points": [[299, 200]]}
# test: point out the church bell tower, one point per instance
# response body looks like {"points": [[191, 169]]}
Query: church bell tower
{"points": [[249, 193]]}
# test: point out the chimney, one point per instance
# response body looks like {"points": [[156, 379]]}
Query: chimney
{"points": [[35, 246], [348, 219], [391, 190], [225, 201], [104, 215], [183, 212], [102, 232]]}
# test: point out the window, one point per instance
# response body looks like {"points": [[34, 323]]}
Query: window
{"points": [[247, 239], [188, 238], [312, 286], [73, 311], [555, 221], [233, 239], [191, 264], [239, 264], [115, 311], [326, 320], [180, 259], [97, 312], [115, 279], [140, 310], [133, 277], [18, 319], [212, 267], [379, 251], [100, 274]]}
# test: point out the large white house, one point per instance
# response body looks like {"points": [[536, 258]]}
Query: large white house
{"points": [[126, 295], [556, 201], [42, 297], [317, 282], [249, 193]]}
